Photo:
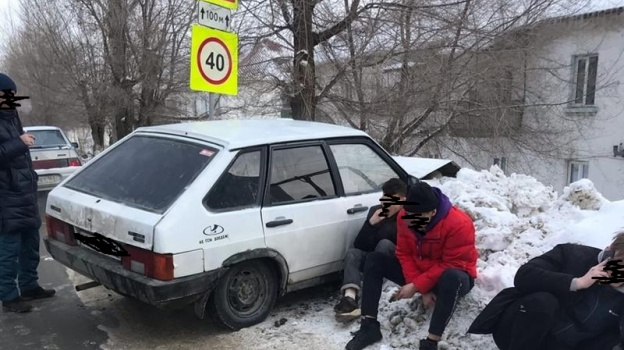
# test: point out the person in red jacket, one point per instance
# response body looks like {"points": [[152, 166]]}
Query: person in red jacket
{"points": [[436, 256]]}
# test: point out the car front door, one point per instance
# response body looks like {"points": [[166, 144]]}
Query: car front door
{"points": [[363, 169], [303, 215]]}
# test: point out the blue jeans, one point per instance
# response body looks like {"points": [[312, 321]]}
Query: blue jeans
{"points": [[19, 258]]}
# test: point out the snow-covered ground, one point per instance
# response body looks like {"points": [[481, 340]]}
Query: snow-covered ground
{"points": [[517, 218]]}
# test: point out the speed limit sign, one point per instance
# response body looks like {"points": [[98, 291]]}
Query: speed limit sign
{"points": [[214, 61]]}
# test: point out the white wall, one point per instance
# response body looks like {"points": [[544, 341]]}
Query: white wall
{"points": [[587, 137]]}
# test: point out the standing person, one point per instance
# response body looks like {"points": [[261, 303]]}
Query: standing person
{"points": [[377, 234], [436, 256], [557, 304], [19, 213]]}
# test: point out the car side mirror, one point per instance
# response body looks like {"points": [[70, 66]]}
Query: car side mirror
{"points": [[75, 144]]}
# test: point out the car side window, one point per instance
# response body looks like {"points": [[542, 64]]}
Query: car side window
{"points": [[362, 170], [298, 174], [239, 186]]}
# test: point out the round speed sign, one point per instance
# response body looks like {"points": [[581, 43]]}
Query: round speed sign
{"points": [[214, 61]]}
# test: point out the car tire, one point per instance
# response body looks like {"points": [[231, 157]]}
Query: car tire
{"points": [[244, 295]]}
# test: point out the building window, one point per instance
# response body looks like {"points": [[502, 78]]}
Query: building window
{"points": [[585, 71], [577, 170], [501, 162]]}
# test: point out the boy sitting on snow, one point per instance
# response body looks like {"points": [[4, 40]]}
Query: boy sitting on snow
{"points": [[436, 256], [556, 303]]}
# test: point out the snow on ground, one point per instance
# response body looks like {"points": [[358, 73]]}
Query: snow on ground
{"points": [[516, 217]]}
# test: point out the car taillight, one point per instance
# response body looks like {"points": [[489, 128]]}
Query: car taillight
{"points": [[75, 162], [59, 230], [148, 263]]}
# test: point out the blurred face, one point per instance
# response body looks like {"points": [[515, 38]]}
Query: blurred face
{"points": [[3, 99], [419, 221], [389, 203], [615, 269]]}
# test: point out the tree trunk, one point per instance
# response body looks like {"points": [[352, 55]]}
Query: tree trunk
{"points": [[117, 16], [303, 102]]}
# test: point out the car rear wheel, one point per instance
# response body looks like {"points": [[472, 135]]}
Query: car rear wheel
{"points": [[244, 296]]}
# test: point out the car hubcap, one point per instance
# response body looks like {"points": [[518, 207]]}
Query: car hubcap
{"points": [[246, 292]]}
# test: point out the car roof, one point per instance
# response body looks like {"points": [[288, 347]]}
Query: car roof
{"points": [[41, 128], [234, 134]]}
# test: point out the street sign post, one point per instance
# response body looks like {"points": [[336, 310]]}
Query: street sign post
{"points": [[214, 60], [214, 16], [231, 4]]}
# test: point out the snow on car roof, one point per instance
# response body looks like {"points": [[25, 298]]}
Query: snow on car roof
{"points": [[233, 134], [40, 128]]}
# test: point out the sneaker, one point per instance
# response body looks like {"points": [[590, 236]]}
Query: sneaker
{"points": [[349, 316], [426, 344], [37, 293], [345, 305], [16, 305], [368, 334]]}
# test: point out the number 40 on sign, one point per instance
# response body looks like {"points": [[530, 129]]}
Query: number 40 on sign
{"points": [[214, 61]]}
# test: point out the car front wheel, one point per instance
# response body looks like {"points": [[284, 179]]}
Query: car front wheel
{"points": [[245, 295]]}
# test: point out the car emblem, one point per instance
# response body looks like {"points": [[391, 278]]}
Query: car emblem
{"points": [[213, 230]]}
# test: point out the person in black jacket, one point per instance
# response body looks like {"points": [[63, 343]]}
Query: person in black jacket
{"points": [[19, 214], [557, 304], [377, 234]]}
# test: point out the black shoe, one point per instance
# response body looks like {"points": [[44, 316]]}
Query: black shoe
{"points": [[345, 305], [426, 344], [368, 334], [38, 293], [17, 305]]}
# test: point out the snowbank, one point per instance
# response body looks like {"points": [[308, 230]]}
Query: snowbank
{"points": [[517, 218]]}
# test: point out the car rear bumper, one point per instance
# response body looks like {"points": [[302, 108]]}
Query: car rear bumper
{"points": [[58, 174], [111, 274]]}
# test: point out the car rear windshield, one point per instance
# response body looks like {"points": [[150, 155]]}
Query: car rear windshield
{"points": [[144, 172], [48, 138]]}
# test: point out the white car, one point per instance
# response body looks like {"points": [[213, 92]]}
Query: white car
{"points": [[224, 214], [54, 156]]}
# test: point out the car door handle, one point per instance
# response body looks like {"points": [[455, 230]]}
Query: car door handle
{"points": [[356, 209], [276, 223]]}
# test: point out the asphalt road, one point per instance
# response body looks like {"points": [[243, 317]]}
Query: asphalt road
{"points": [[100, 319]]}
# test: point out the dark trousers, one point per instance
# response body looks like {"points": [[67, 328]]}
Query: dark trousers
{"points": [[354, 264], [452, 285], [19, 258], [527, 324]]}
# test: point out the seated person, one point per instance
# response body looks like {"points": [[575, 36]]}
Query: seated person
{"points": [[377, 234], [557, 303], [436, 256]]}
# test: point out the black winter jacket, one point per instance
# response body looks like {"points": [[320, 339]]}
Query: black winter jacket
{"points": [[584, 316], [18, 181], [370, 235]]}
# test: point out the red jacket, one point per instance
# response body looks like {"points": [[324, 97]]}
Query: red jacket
{"points": [[448, 244]]}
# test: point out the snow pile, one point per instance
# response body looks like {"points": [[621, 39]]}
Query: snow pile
{"points": [[517, 218], [583, 194]]}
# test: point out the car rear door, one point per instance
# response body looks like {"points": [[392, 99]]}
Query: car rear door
{"points": [[363, 169], [303, 216]]}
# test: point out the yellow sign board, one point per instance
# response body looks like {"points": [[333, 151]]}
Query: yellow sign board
{"points": [[231, 4], [214, 61]]}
